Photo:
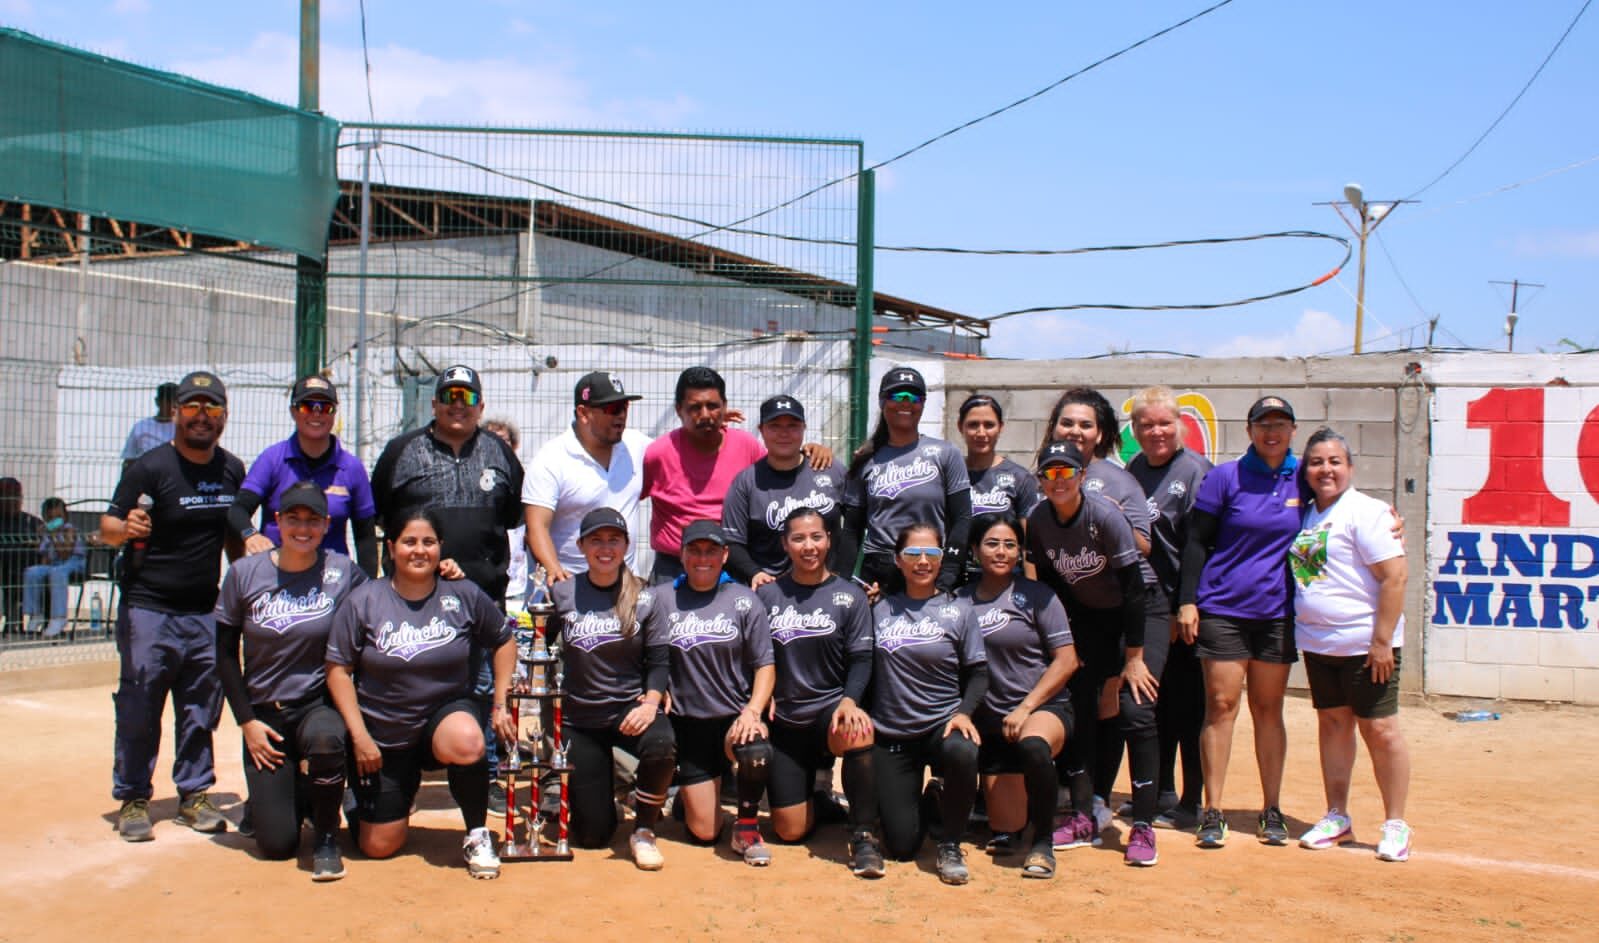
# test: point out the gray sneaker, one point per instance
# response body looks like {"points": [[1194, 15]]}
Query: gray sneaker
{"points": [[952, 863], [133, 822], [747, 843], [197, 812]]}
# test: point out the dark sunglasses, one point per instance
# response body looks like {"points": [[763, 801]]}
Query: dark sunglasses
{"points": [[613, 409], [905, 396], [457, 395], [316, 407], [192, 409]]}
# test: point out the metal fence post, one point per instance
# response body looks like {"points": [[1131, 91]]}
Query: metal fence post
{"points": [[861, 367]]}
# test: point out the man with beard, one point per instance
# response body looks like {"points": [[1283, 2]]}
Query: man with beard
{"points": [[598, 462], [171, 509]]}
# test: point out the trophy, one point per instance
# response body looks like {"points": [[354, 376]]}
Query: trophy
{"points": [[536, 660]]}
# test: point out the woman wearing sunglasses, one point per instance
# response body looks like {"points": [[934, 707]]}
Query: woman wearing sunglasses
{"points": [[900, 477], [1081, 546], [1026, 717], [929, 673], [312, 454]]}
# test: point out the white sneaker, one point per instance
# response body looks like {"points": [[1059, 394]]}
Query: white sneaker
{"points": [[1395, 844], [481, 859], [645, 854], [1102, 816], [1335, 828]]}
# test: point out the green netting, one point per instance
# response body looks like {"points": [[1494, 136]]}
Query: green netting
{"points": [[90, 134]]}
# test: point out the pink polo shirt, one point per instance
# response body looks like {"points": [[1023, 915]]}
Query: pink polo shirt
{"points": [[685, 484]]}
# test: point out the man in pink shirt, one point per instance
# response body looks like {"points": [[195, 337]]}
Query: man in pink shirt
{"points": [[687, 471]]}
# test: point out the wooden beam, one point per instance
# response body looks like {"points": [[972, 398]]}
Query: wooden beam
{"points": [[402, 214]]}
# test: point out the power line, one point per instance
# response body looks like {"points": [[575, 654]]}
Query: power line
{"points": [[1400, 275], [1484, 136], [366, 60]]}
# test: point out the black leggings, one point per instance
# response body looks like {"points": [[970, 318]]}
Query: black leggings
{"points": [[592, 782], [313, 733], [899, 763], [1138, 727], [1180, 716]]}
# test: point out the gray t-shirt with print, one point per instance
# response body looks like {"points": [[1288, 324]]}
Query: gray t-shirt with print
{"points": [[1021, 629], [1104, 477], [900, 485], [603, 660], [814, 631], [920, 647], [761, 497], [1169, 492], [1080, 557], [717, 640]]}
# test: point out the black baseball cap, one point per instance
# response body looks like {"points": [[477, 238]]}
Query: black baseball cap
{"points": [[599, 388], [304, 494], [901, 379], [313, 387], [202, 383], [166, 392], [458, 375], [782, 406], [1060, 453], [599, 519], [1271, 404], [704, 530]]}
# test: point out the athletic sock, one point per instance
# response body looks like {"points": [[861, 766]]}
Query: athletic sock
{"points": [[1108, 762], [1144, 762], [860, 788], [1038, 773], [469, 787]]}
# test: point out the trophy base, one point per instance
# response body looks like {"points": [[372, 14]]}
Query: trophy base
{"points": [[532, 851]]}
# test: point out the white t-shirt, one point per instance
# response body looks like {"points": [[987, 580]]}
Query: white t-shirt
{"points": [[1335, 592], [567, 480], [145, 435]]}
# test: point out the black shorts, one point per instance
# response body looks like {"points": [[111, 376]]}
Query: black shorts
{"points": [[701, 748], [1344, 681], [996, 755], [797, 753], [386, 795], [1222, 638]]}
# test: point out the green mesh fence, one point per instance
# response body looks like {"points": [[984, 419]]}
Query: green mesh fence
{"points": [[89, 134]]}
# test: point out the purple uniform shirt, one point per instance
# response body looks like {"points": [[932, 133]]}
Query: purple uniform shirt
{"points": [[1258, 512], [340, 475]]}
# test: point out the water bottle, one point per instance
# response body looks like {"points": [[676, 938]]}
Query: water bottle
{"points": [[96, 612], [1469, 717]]}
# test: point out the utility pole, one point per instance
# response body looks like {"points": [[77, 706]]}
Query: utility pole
{"points": [[1512, 317], [1370, 215], [311, 281]]}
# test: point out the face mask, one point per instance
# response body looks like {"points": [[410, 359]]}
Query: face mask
{"points": [[54, 523]]}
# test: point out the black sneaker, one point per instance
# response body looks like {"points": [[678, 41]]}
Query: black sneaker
{"points": [[1212, 831], [247, 821], [1273, 830], [326, 863], [196, 811], [496, 798], [1003, 843], [952, 863], [133, 821], [866, 856]]}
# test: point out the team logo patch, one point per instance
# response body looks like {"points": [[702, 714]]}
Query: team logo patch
{"points": [[281, 611], [742, 604], [330, 577], [1096, 485], [406, 641], [486, 482], [450, 603], [1005, 479], [931, 451], [1019, 599], [949, 612], [824, 481], [843, 600], [790, 624], [338, 491], [1178, 488], [690, 630], [458, 375], [1093, 532]]}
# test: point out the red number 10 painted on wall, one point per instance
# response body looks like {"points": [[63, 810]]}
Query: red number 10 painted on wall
{"points": [[1515, 492]]}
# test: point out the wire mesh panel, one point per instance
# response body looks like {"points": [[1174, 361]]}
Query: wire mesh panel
{"points": [[539, 256]]}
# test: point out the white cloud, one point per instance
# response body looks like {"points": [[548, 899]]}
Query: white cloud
{"points": [[408, 85], [1316, 332], [1574, 244]]}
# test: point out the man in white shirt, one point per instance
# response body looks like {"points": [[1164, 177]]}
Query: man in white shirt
{"points": [[598, 462]]}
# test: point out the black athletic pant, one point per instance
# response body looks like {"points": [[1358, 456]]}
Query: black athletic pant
{"points": [[592, 782], [1138, 727], [899, 765], [1180, 716], [313, 733]]}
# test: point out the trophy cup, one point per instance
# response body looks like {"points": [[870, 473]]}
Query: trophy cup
{"points": [[536, 659]]}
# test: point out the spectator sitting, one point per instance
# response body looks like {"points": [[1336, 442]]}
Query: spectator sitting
{"points": [[18, 540], [61, 556]]}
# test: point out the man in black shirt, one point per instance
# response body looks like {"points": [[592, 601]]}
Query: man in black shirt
{"points": [[171, 509]]}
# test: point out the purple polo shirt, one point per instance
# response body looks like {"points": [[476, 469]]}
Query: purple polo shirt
{"points": [[341, 476], [1247, 575]]}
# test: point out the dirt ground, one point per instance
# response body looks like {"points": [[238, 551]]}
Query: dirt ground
{"points": [[1498, 809]]}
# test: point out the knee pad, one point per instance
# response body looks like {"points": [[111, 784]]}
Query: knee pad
{"points": [[958, 753], [1035, 753], [660, 748]]}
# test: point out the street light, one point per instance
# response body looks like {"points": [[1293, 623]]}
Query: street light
{"points": [[1370, 214], [1510, 331]]}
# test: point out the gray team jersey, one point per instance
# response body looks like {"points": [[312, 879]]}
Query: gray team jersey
{"points": [[1104, 477], [814, 631], [920, 648], [411, 658], [717, 640], [285, 619], [1004, 486], [1021, 629], [604, 666], [1169, 491], [761, 497], [900, 485], [1081, 557]]}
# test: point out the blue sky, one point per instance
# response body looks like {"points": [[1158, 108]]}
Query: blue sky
{"points": [[1233, 125]]}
